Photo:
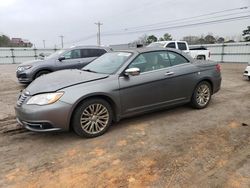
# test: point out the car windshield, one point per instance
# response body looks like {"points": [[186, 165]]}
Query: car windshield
{"points": [[56, 54], [157, 44], [108, 63]]}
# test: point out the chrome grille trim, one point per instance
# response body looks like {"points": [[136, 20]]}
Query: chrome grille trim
{"points": [[21, 99]]}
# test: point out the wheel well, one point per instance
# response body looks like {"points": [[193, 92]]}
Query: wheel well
{"points": [[201, 56], [106, 98], [40, 71], [210, 82]]}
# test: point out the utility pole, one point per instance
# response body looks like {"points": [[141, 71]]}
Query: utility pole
{"points": [[61, 39], [99, 33], [43, 43]]}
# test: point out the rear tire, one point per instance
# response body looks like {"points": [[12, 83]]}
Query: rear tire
{"points": [[92, 118], [201, 95], [40, 73]]}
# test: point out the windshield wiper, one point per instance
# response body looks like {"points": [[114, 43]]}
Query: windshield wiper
{"points": [[88, 70]]}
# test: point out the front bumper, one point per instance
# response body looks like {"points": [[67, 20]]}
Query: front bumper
{"points": [[247, 71], [53, 117], [23, 77], [37, 127]]}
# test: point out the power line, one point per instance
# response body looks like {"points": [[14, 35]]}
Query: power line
{"points": [[198, 16], [194, 20], [191, 19], [180, 26]]}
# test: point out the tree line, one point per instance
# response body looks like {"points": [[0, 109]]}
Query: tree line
{"points": [[5, 41], [208, 39]]}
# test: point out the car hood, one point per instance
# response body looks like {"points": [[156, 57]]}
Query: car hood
{"points": [[32, 62], [61, 79]]}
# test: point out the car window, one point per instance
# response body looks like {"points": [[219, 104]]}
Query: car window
{"points": [[73, 54], [56, 54], [182, 46], [151, 61], [171, 45], [92, 52], [99, 52], [176, 58], [108, 63]]}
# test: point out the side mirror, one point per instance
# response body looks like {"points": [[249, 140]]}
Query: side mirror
{"points": [[132, 71], [61, 58]]}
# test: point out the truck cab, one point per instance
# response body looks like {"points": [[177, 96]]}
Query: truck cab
{"points": [[180, 45], [197, 53]]}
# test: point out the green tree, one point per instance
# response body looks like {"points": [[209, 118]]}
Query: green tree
{"points": [[142, 40], [4, 41], [210, 39], [151, 39], [202, 40], [220, 40], [167, 36], [246, 34], [191, 39], [161, 39]]}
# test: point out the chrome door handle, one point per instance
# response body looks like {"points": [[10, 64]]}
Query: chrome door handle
{"points": [[169, 73]]}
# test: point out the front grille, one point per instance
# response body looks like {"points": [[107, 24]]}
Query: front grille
{"points": [[21, 99], [22, 76]]}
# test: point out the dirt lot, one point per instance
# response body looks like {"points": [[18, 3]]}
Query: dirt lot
{"points": [[181, 147]]}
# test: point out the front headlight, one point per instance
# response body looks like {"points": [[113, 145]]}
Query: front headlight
{"points": [[46, 98], [23, 68]]}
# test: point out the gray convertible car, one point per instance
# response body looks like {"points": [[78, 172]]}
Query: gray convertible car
{"points": [[114, 86]]}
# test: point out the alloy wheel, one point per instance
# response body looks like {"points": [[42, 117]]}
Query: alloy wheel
{"points": [[94, 118], [203, 95]]}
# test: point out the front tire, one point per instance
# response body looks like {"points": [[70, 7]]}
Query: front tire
{"points": [[202, 95], [92, 118]]}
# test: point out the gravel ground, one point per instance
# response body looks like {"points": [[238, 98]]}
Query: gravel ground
{"points": [[181, 147]]}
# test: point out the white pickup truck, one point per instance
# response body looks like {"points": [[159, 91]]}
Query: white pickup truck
{"points": [[197, 53], [247, 72]]}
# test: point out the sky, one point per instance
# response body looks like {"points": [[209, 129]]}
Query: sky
{"points": [[38, 20]]}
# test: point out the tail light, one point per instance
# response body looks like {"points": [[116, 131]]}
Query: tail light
{"points": [[218, 68]]}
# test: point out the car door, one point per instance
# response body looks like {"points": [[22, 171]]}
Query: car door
{"points": [[144, 91], [71, 59], [180, 78]]}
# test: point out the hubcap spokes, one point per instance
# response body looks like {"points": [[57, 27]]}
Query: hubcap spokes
{"points": [[203, 95], [94, 118]]}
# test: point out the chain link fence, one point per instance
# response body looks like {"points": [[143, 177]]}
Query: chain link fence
{"points": [[225, 52], [229, 52], [19, 55]]}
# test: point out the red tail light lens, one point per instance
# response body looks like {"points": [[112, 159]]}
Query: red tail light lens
{"points": [[218, 67]]}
